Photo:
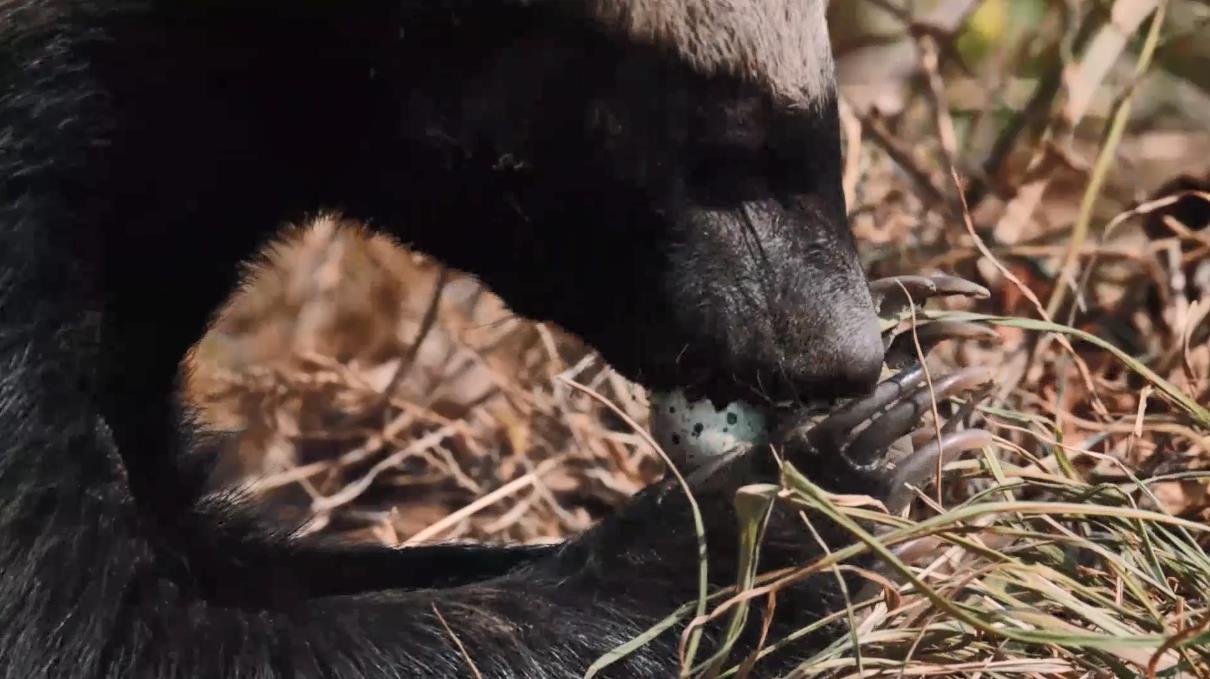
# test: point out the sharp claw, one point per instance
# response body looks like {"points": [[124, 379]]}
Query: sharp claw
{"points": [[899, 420], [956, 383], [919, 466], [870, 445], [890, 301], [884, 288], [953, 285], [959, 330], [902, 348], [833, 429], [913, 283]]}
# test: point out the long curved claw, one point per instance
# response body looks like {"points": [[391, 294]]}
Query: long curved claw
{"points": [[858, 446], [890, 300], [897, 421], [953, 285], [920, 287], [918, 467], [849, 449], [902, 349], [834, 429]]}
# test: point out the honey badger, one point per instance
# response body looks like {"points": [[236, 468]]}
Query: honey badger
{"points": [[660, 177]]}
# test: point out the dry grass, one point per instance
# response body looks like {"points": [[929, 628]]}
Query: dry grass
{"points": [[365, 412], [1074, 547]]}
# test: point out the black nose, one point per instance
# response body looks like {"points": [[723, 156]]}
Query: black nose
{"points": [[828, 344], [849, 352], [820, 350]]}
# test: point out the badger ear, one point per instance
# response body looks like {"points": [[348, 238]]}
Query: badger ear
{"points": [[782, 45]]}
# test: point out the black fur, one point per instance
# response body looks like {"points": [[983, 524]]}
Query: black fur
{"points": [[690, 227]]}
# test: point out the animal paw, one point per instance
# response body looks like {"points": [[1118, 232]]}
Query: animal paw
{"points": [[875, 444]]}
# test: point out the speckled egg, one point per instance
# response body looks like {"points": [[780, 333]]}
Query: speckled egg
{"points": [[696, 434]]}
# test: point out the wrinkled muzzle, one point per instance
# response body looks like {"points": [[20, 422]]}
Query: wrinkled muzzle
{"points": [[780, 293]]}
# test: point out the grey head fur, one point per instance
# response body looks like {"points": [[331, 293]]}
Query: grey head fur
{"points": [[780, 44]]}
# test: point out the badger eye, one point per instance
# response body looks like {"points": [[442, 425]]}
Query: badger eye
{"points": [[719, 175]]}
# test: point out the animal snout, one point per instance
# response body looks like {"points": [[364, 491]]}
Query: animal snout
{"points": [[827, 344], [849, 349]]}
